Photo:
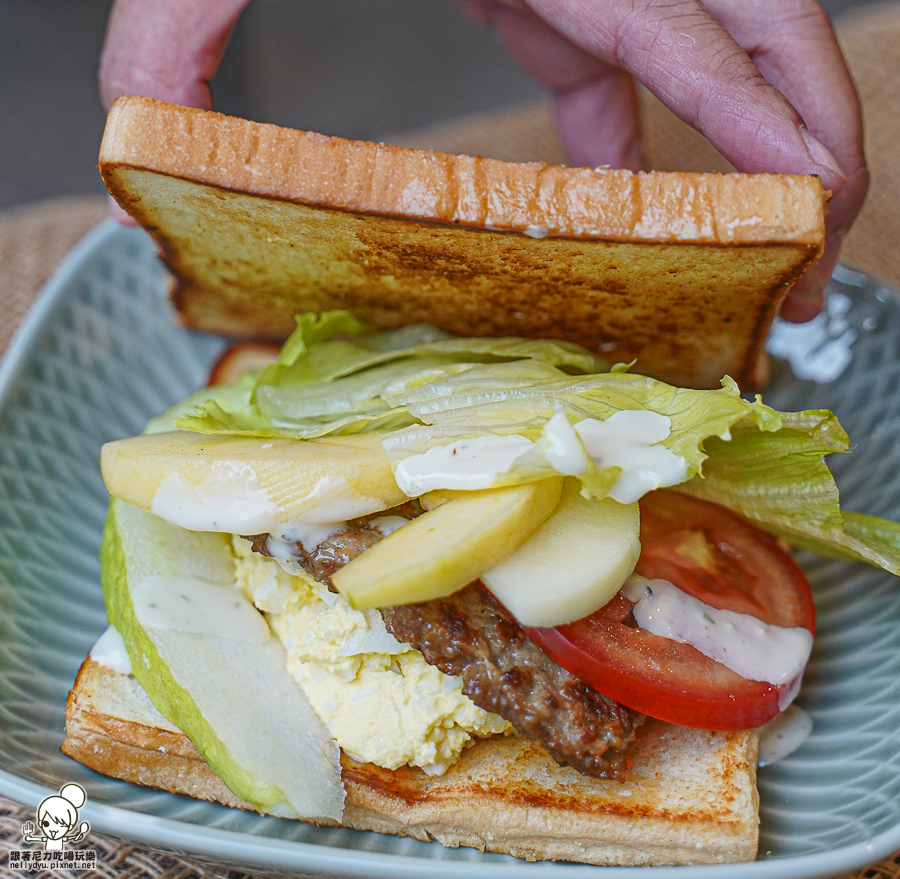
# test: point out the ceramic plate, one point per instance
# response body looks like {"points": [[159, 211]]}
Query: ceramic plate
{"points": [[101, 352]]}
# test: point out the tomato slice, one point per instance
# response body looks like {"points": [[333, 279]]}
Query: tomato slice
{"points": [[719, 558]]}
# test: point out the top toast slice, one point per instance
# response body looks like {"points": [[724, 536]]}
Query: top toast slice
{"points": [[681, 272]]}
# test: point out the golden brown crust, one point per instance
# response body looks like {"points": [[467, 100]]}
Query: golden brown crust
{"points": [[689, 797], [683, 272], [368, 178]]}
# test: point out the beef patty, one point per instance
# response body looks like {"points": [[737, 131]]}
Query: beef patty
{"points": [[470, 634]]}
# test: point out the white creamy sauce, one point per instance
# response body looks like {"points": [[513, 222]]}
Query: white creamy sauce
{"points": [[229, 498], [536, 231], [628, 439], [467, 464], [189, 604], [110, 652], [385, 525], [284, 552], [753, 649], [282, 545], [784, 734], [309, 536], [564, 448]]}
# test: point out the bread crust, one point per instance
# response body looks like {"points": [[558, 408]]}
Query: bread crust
{"points": [[688, 798], [683, 272], [369, 178]]}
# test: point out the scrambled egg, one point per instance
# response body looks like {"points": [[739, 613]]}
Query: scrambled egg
{"points": [[381, 701]]}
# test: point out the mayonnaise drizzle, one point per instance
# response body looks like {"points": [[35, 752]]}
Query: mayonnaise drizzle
{"points": [[467, 464], [748, 646], [282, 545], [563, 447], [628, 439], [109, 651], [229, 498], [784, 734], [190, 604]]}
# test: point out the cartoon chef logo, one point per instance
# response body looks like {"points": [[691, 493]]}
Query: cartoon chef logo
{"points": [[57, 820]]}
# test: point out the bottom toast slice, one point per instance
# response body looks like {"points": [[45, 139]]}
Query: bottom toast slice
{"points": [[689, 796]]}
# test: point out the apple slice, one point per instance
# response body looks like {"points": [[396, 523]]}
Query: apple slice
{"points": [[573, 564], [250, 485], [211, 666], [447, 547]]}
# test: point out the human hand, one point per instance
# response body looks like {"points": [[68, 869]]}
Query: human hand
{"points": [[763, 80], [164, 49]]}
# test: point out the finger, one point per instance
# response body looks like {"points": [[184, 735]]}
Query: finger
{"points": [[807, 297], [681, 52], [793, 45], [119, 213], [595, 102], [166, 49], [687, 59], [598, 122]]}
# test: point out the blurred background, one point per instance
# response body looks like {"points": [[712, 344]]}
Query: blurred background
{"points": [[353, 68]]}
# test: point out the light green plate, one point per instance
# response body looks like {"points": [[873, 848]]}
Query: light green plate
{"points": [[101, 352]]}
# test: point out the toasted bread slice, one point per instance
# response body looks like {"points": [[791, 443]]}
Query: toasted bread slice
{"points": [[682, 272], [689, 797]]}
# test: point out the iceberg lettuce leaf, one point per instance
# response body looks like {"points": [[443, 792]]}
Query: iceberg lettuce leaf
{"points": [[319, 350], [780, 481], [422, 388], [332, 376], [467, 410]]}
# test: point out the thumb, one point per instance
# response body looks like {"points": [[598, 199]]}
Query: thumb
{"points": [[165, 49]]}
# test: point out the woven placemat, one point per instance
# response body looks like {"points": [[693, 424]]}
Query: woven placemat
{"points": [[34, 239]]}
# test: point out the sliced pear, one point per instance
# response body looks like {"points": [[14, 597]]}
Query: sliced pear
{"points": [[448, 546], [573, 564], [210, 665], [250, 485]]}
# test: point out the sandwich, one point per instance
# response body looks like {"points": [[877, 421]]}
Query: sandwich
{"points": [[463, 587]]}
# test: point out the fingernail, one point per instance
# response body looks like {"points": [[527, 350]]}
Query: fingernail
{"points": [[820, 154]]}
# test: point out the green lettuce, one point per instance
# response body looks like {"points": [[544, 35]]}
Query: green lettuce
{"points": [[422, 388], [333, 378], [467, 411]]}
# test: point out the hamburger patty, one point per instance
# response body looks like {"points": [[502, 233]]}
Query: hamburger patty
{"points": [[471, 635], [334, 552]]}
